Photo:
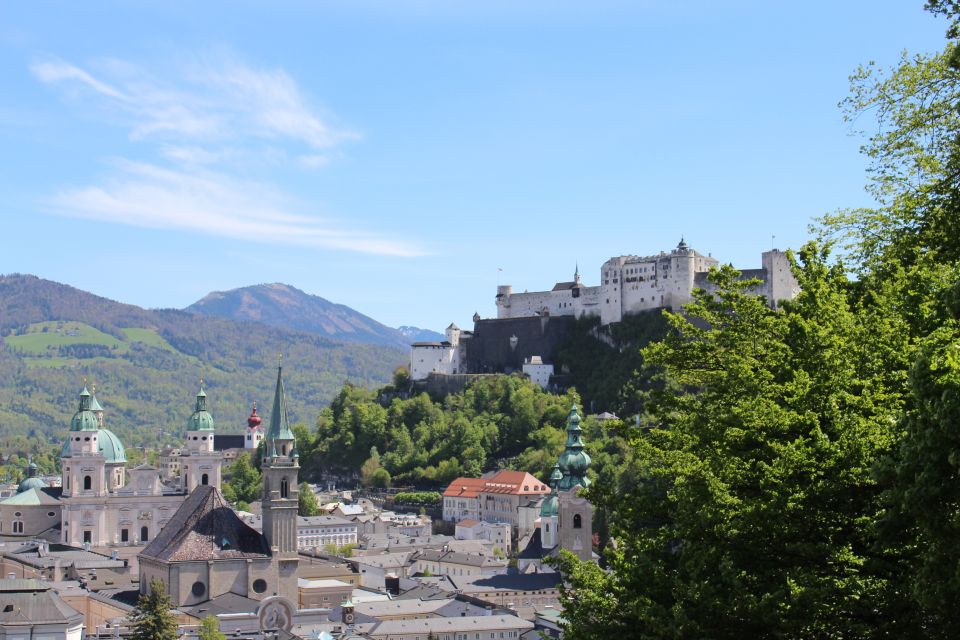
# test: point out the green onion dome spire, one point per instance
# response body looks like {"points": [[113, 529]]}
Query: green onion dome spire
{"points": [[551, 504], [574, 461], [84, 419], [201, 420]]}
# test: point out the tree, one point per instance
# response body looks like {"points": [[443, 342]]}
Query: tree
{"points": [[244, 484], [151, 618], [380, 479], [307, 505], [756, 510], [210, 629], [370, 467]]}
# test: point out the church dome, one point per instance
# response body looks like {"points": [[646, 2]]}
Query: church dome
{"points": [[31, 483], [111, 447], [201, 420], [108, 444]]}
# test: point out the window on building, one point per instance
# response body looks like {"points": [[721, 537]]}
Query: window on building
{"points": [[87, 483], [124, 535], [88, 536], [284, 488], [204, 479], [577, 521], [144, 534], [17, 526]]}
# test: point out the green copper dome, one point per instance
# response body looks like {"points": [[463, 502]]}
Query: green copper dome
{"points": [[111, 447], [574, 461], [201, 420], [84, 419], [551, 504], [31, 483]]}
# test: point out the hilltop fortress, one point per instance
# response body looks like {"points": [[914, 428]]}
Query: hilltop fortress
{"points": [[531, 325], [630, 284]]}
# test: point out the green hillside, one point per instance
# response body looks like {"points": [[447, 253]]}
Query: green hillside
{"points": [[147, 364]]}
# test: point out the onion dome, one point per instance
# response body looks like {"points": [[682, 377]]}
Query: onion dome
{"points": [[574, 461], [201, 420], [253, 421], [551, 504], [84, 419]]}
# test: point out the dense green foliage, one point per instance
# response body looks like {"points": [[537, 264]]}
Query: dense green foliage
{"points": [[147, 365], [418, 498], [152, 618], [605, 362], [801, 478], [496, 422], [242, 482]]}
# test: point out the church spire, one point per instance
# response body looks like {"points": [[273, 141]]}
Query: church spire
{"points": [[279, 427]]}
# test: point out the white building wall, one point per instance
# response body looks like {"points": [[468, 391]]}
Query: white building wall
{"points": [[539, 373]]}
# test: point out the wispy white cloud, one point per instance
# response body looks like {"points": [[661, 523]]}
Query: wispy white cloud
{"points": [[149, 196], [216, 116], [214, 98], [57, 71]]}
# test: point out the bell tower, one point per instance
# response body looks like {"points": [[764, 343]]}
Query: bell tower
{"points": [[200, 463], [281, 468]]}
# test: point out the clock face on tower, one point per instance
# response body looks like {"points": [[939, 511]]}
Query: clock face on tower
{"points": [[348, 617]]}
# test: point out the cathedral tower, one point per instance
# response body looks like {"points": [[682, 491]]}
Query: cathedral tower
{"points": [[200, 464], [281, 468]]}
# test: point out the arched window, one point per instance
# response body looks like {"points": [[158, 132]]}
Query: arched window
{"points": [[87, 483], [284, 488], [284, 447], [17, 526], [577, 521], [144, 534], [204, 479]]}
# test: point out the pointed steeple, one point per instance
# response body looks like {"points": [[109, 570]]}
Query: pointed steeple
{"points": [[576, 273], [279, 428]]}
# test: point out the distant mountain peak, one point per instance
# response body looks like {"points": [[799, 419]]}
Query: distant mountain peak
{"points": [[284, 306]]}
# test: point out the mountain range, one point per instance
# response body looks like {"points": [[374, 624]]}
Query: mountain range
{"points": [[147, 364], [285, 307]]}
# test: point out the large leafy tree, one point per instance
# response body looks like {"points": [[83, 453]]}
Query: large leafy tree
{"points": [[750, 508], [151, 619]]}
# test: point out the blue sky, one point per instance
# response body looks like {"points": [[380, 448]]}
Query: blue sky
{"points": [[393, 156]]}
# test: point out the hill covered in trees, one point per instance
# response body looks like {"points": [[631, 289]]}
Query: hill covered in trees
{"points": [[147, 364]]}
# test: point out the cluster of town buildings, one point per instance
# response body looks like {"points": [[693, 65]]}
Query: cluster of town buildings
{"points": [[77, 551]]}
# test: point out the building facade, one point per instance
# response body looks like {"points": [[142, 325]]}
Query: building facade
{"points": [[103, 503]]}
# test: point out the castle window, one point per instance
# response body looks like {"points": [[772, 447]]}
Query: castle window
{"points": [[87, 483], [204, 479], [577, 521]]}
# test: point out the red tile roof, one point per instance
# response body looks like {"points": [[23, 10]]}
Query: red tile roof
{"points": [[464, 488], [505, 482]]}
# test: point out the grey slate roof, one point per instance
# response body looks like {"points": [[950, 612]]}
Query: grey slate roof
{"points": [[28, 602], [206, 528]]}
